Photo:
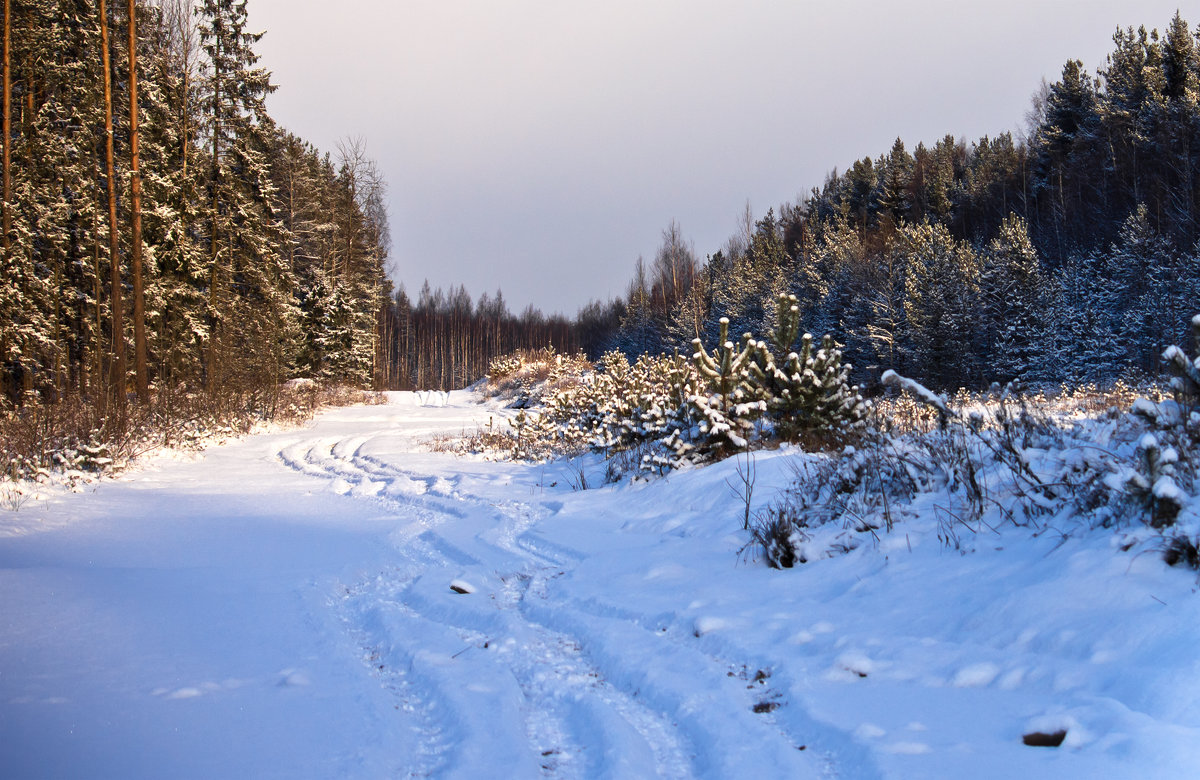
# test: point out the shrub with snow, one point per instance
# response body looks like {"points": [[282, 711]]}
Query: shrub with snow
{"points": [[995, 460], [677, 412]]}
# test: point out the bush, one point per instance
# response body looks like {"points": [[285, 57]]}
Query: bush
{"points": [[678, 412], [72, 440]]}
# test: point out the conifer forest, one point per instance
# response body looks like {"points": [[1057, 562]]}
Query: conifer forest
{"points": [[161, 233], [1066, 255], [900, 479]]}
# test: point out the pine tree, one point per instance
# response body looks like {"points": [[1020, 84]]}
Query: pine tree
{"points": [[877, 326], [639, 332], [1181, 63], [6, 165], [1068, 151], [116, 307], [135, 207], [804, 389], [727, 402], [1178, 128]]}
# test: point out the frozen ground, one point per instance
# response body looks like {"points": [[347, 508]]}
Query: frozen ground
{"points": [[289, 606]]}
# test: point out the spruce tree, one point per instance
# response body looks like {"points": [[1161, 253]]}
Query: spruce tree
{"points": [[252, 321], [941, 285], [1014, 300], [177, 320], [1143, 266], [894, 196]]}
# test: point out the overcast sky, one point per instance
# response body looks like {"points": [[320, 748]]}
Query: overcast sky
{"points": [[541, 146]]}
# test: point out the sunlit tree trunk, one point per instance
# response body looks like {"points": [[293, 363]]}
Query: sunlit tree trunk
{"points": [[117, 356], [7, 218], [135, 205], [215, 183]]}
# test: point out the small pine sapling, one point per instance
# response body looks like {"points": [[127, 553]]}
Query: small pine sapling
{"points": [[808, 390], [726, 407]]}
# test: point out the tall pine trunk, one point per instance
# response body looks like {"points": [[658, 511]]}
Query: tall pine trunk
{"points": [[7, 218], [117, 356], [214, 277], [135, 206]]}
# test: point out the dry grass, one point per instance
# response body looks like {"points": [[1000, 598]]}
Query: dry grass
{"points": [[902, 414], [72, 434], [528, 375]]}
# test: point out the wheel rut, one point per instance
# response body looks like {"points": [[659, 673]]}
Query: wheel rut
{"points": [[600, 691]]}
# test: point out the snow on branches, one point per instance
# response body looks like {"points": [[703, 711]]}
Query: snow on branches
{"points": [[680, 411]]}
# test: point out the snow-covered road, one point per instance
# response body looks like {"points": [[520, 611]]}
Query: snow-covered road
{"points": [[290, 605]]}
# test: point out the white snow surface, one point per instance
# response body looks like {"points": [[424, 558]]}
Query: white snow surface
{"points": [[284, 606]]}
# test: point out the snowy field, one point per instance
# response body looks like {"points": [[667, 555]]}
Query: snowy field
{"points": [[341, 602]]}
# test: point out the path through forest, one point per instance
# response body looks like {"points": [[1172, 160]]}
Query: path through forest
{"points": [[339, 601]]}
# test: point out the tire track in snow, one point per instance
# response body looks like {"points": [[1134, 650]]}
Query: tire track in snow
{"points": [[434, 738], [719, 746], [695, 688], [579, 725], [837, 751], [594, 705]]}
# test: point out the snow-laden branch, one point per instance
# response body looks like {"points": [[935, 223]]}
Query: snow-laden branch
{"points": [[918, 391]]}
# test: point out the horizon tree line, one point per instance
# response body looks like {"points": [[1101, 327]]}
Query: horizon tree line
{"points": [[1067, 255], [159, 230]]}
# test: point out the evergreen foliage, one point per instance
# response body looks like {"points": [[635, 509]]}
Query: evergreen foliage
{"points": [[963, 263], [672, 411], [806, 391], [227, 257], [1006, 258]]}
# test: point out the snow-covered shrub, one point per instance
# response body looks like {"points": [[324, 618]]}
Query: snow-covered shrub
{"points": [[526, 376], [1072, 461], [1185, 371], [503, 367], [778, 532], [1012, 458], [834, 499], [1182, 549], [613, 409], [676, 412], [623, 406]]}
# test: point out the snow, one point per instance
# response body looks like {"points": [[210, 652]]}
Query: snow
{"points": [[285, 605], [918, 390]]}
